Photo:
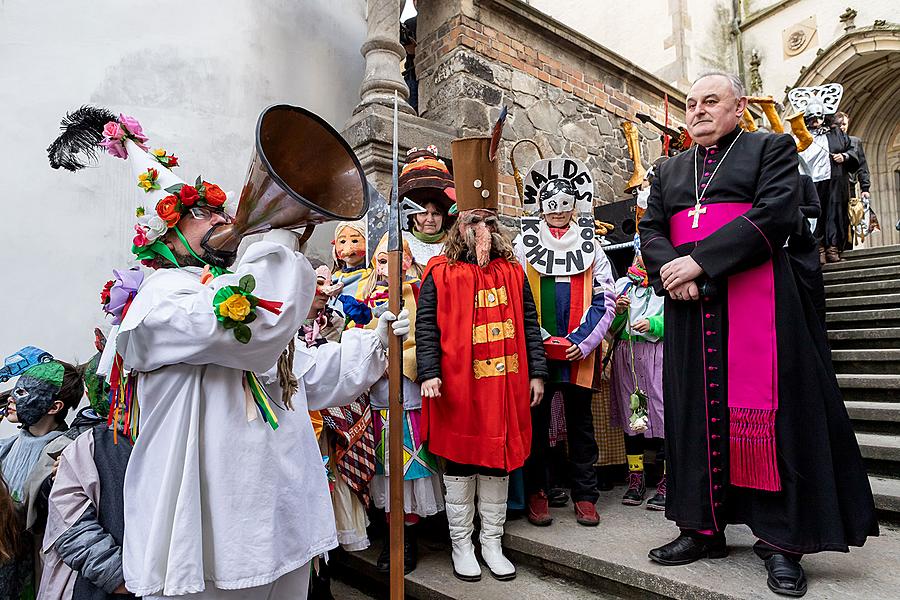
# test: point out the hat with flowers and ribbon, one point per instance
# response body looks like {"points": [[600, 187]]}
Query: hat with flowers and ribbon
{"points": [[161, 197]]}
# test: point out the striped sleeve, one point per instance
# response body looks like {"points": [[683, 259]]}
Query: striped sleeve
{"points": [[600, 314]]}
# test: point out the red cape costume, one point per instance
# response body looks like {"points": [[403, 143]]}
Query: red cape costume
{"points": [[482, 416]]}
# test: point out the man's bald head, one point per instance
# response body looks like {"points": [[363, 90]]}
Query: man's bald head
{"points": [[714, 107]]}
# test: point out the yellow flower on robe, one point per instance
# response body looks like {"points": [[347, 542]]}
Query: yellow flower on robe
{"points": [[236, 307]]}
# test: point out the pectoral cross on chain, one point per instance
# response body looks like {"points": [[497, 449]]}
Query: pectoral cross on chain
{"points": [[696, 212]]}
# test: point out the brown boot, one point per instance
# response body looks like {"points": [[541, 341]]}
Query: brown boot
{"points": [[832, 255], [822, 259]]}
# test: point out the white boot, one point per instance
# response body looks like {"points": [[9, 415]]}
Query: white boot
{"points": [[492, 493], [460, 506]]}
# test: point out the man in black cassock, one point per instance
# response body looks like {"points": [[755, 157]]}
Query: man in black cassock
{"points": [[756, 431], [858, 158]]}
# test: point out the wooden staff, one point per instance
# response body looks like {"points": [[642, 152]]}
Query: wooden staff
{"points": [[395, 383]]}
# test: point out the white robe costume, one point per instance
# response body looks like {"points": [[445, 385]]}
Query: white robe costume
{"points": [[214, 502]]}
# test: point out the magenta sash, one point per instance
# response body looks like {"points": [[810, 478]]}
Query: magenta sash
{"points": [[752, 353]]}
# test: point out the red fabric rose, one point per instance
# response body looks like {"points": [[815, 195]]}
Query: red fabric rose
{"points": [[167, 209], [104, 295], [172, 161], [214, 194], [188, 195]]}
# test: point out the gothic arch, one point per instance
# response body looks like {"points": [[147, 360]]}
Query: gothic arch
{"points": [[866, 62]]}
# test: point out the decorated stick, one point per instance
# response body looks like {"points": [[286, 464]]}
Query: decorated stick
{"points": [[395, 381]]}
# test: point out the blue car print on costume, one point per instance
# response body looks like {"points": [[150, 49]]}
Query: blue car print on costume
{"points": [[19, 362]]}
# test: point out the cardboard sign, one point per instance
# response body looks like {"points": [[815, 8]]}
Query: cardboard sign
{"points": [[547, 169], [571, 254]]}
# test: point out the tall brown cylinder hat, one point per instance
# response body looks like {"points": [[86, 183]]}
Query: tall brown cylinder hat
{"points": [[474, 174]]}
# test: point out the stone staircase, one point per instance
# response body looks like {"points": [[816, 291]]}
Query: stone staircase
{"points": [[863, 301], [610, 562]]}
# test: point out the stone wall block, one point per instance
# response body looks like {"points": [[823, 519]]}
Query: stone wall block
{"points": [[568, 108], [521, 82], [581, 131], [545, 116]]}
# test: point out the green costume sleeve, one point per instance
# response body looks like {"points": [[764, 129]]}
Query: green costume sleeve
{"points": [[656, 325], [618, 324]]}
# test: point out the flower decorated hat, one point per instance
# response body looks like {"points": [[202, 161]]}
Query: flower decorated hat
{"points": [[161, 198]]}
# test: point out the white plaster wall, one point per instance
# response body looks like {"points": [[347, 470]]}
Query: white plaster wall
{"points": [[639, 30], [765, 35], [636, 30], [196, 74]]}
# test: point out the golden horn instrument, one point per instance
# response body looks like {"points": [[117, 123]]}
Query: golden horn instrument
{"points": [[634, 150], [767, 104], [798, 128], [747, 121], [520, 183]]}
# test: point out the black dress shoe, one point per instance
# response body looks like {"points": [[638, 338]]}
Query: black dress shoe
{"points": [[410, 549], [557, 498], [383, 564], [786, 576], [686, 548]]}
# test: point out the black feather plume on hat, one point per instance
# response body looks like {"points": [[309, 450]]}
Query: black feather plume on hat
{"points": [[82, 132]]}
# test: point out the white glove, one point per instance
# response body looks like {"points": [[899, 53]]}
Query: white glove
{"points": [[399, 325]]}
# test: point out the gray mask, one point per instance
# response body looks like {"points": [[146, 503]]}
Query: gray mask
{"points": [[33, 398]]}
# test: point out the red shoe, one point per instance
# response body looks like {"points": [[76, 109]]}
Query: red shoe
{"points": [[586, 513], [538, 509]]}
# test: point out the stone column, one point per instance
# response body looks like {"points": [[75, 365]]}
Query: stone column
{"points": [[384, 56]]}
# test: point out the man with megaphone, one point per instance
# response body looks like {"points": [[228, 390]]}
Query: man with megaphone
{"points": [[225, 495]]}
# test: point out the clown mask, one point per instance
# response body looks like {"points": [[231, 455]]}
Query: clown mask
{"points": [[34, 393], [350, 247]]}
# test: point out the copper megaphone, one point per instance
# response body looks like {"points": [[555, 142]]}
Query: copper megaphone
{"points": [[302, 173]]}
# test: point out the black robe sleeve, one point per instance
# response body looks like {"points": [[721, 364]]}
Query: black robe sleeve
{"points": [[839, 143], [537, 359], [656, 248], [862, 171], [810, 207], [428, 336], [752, 238]]}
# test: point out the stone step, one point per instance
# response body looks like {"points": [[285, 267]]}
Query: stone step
{"points": [[869, 262], [879, 317], [873, 411], [868, 252], [862, 302], [879, 446], [887, 365], [345, 591], [877, 273], [433, 579], [613, 557], [865, 339], [871, 381], [863, 288], [885, 355], [886, 491]]}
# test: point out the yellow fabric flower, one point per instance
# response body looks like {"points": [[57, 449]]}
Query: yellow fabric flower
{"points": [[145, 185], [144, 176], [235, 307], [159, 152]]}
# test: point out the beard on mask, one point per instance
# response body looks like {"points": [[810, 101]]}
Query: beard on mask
{"points": [[478, 242]]}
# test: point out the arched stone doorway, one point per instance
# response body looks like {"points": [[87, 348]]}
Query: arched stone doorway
{"points": [[866, 62]]}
